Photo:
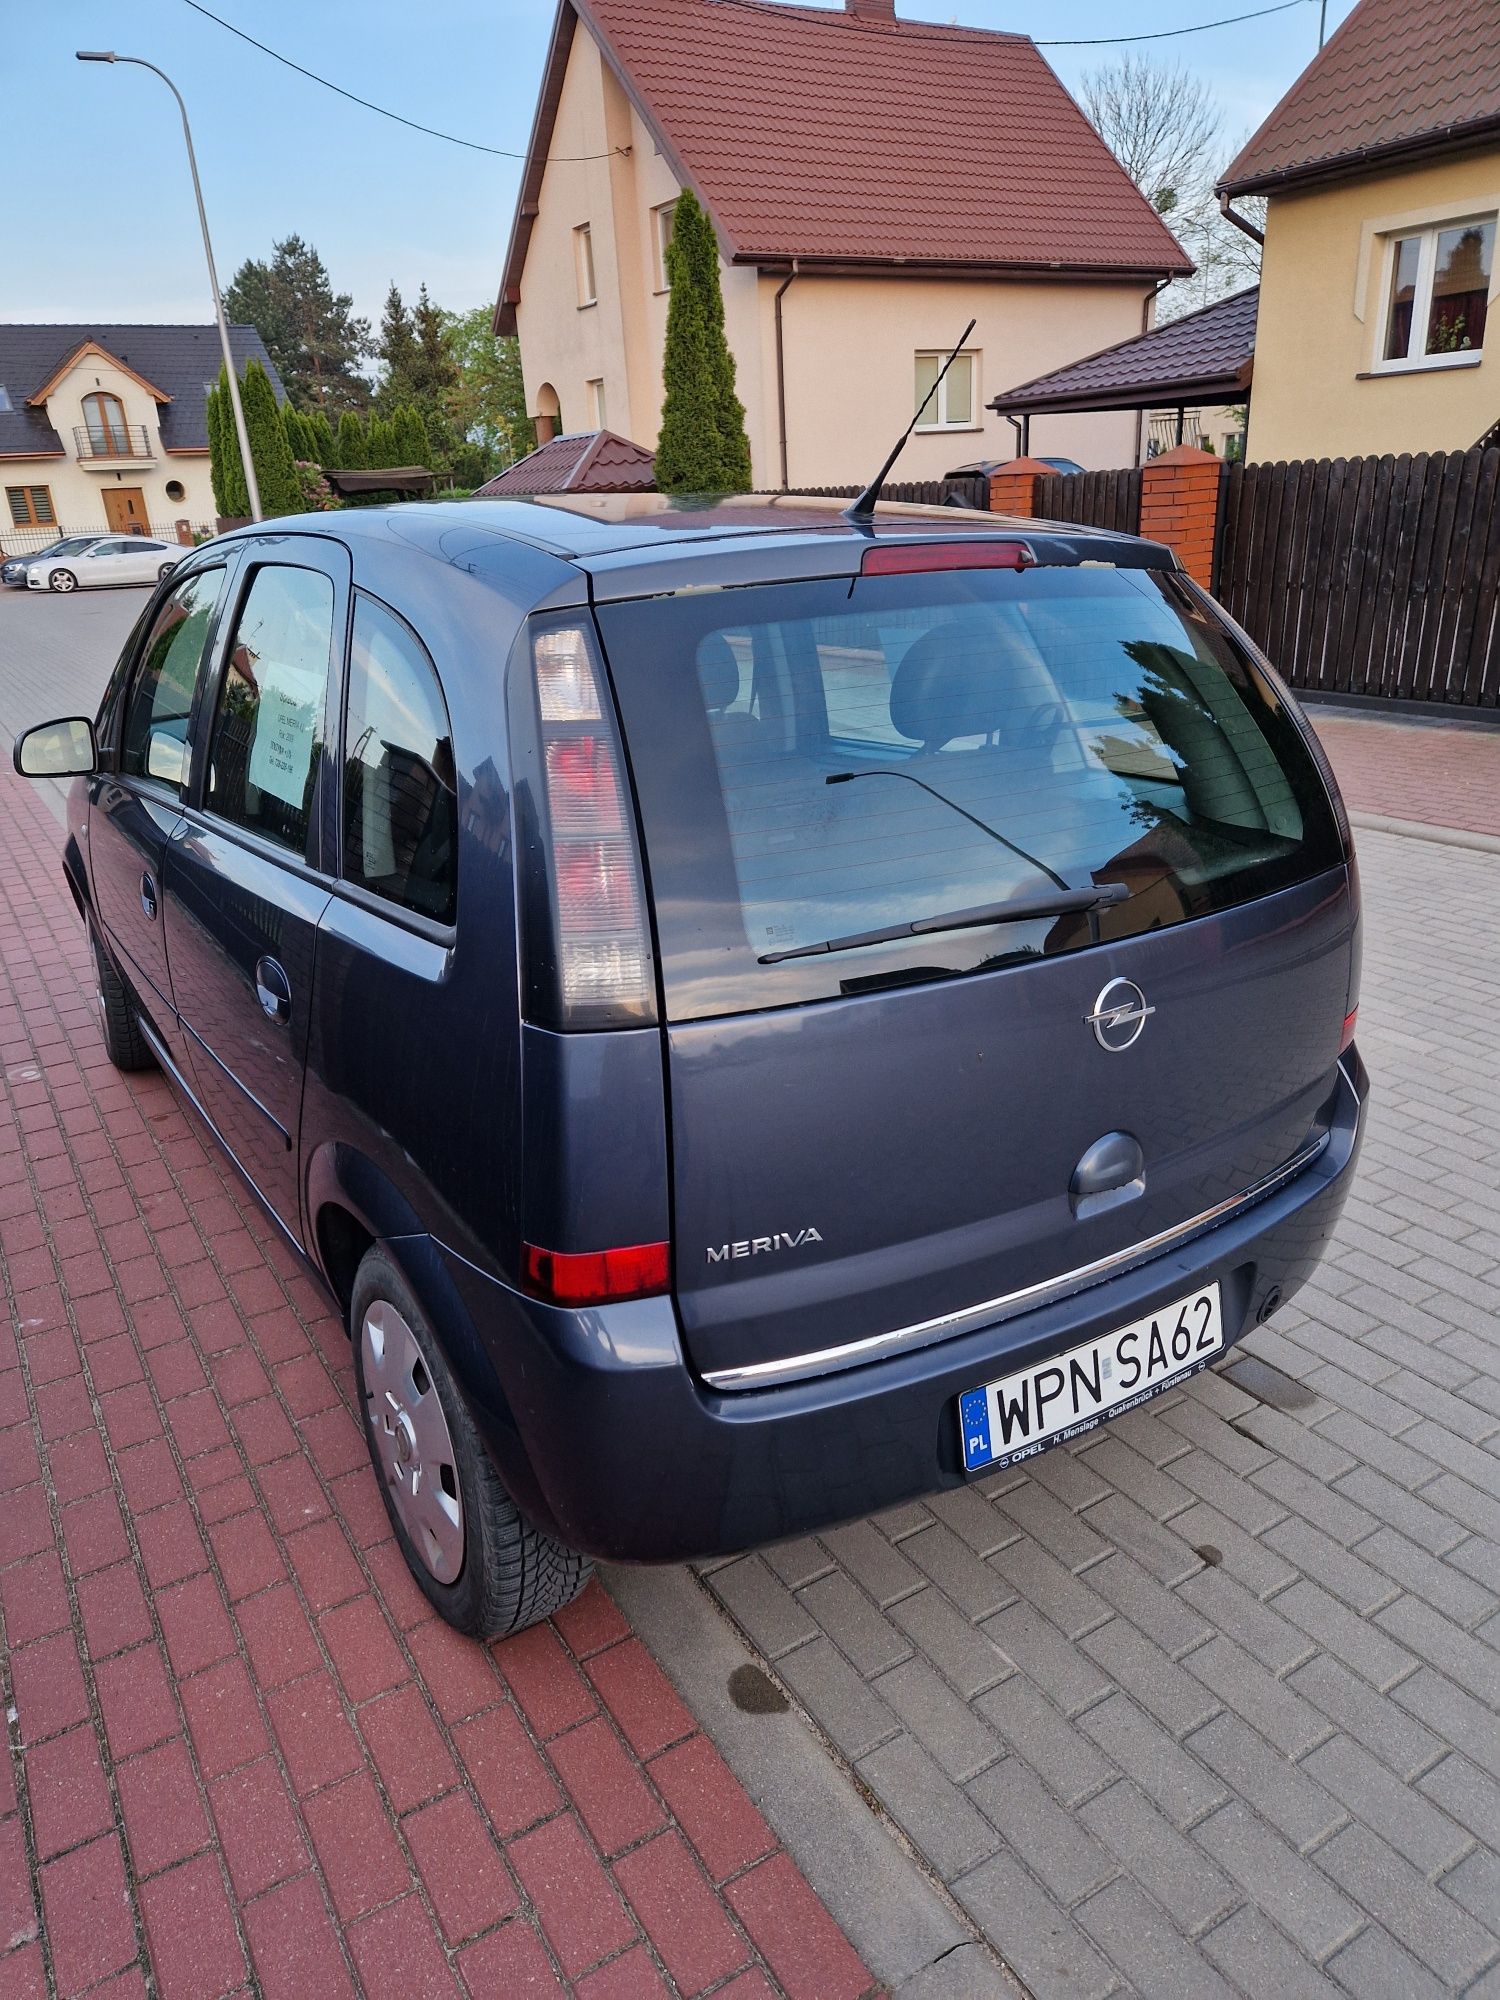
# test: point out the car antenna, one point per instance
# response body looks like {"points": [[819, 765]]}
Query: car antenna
{"points": [[862, 510]]}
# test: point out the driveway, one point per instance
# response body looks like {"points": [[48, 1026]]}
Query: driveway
{"points": [[1206, 1704]]}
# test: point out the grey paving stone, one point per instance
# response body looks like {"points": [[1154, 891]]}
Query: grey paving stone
{"points": [[1029, 1723], [967, 1972], [1043, 1944], [1053, 1661], [959, 1650], [1266, 1703], [1394, 1735], [1248, 1949], [1308, 1496], [798, 1562], [842, 1704], [1228, 1490], [1259, 1568], [1444, 1645], [857, 1627], [1068, 1600], [1261, 1629], [1146, 1672], [1165, 1772], [972, 1518], [1200, 1426], [1439, 1935], [872, 1561], [1357, 1641], [1058, 1847], [1159, 1549], [1475, 1883], [1263, 1776], [1467, 1794], [1172, 1869], [1037, 1512], [1417, 1518], [1312, 1912], [928, 1807], [1440, 1584], [1375, 1967], [1160, 1613], [947, 1728], [1153, 1955], [1349, 1576], [764, 1607], [1376, 1797], [1136, 1474], [962, 1576]]}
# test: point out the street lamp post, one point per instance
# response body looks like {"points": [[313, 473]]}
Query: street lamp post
{"points": [[109, 56]]}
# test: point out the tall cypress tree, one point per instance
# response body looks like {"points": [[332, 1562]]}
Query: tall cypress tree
{"points": [[325, 449], [275, 468], [703, 447], [350, 443], [413, 436], [227, 471]]}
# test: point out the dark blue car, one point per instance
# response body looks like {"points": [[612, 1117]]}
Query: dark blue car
{"points": [[753, 1017]]}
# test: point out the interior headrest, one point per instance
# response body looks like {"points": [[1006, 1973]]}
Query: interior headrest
{"points": [[718, 671], [947, 685]]}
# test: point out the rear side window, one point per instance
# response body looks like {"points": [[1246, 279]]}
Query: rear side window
{"points": [[817, 761], [268, 727], [400, 793], [154, 740]]}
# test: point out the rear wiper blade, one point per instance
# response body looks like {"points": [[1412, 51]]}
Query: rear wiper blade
{"points": [[1016, 911]]}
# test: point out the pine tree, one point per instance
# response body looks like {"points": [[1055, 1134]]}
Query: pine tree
{"points": [[325, 449], [703, 447], [310, 331], [275, 468], [434, 371], [442, 443], [350, 443], [396, 345]]}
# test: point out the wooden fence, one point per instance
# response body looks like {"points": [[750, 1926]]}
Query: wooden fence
{"points": [[1097, 499], [971, 490], [1369, 576]]}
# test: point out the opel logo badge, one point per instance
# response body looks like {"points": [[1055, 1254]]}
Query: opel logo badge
{"points": [[1119, 1017]]}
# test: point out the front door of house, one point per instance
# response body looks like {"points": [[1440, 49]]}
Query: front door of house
{"points": [[125, 510]]}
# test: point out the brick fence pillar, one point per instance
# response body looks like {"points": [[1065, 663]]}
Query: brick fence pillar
{"points": [[1013, 486], [1180, 506]]}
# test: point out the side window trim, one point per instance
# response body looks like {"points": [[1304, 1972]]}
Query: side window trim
{"points": [[176, 794]]}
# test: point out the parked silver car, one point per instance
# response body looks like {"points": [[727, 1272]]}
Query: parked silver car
{"points": [[13, 569], [116, 559]]}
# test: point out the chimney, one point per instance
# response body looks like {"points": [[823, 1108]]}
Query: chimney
{"points": [[882, 13]]}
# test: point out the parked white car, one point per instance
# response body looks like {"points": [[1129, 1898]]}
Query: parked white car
{"points": [[121, 559]]}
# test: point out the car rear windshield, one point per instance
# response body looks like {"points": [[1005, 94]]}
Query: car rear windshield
{"points": [[818, 760]]}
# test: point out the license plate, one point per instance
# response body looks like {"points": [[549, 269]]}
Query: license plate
{"points": [[1068, 1394]]}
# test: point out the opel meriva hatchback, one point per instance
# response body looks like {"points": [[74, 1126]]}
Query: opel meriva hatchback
{"points": [[753, 1016]]}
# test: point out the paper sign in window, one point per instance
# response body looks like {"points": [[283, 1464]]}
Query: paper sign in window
{"points": [[286, 727]]}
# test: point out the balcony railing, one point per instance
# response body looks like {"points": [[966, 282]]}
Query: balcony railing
{"points": [[116, 441]]}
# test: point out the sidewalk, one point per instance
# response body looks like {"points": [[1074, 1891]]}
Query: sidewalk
{"points": [[1404, 770], [244, 1754]]}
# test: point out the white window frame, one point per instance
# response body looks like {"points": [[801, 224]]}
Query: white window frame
{"points": [[661, 234], [583, 265], [597, 403], [1379, 240], [940, 422]]}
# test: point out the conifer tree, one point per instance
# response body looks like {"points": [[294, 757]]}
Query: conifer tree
{"points": [[703, 447], [325, 449], [413, 437], [350, 443], [227, 472], [275, 468]]}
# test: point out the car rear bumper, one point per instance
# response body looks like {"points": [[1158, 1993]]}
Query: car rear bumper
{"points": [[605, 1437]]}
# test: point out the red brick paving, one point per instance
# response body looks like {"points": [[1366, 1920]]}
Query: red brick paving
{"points": [[1443, 776], [245, 1756]]}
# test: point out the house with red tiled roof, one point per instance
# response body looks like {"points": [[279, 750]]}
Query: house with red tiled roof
{"points": [[1377, 327], [875, 183]]}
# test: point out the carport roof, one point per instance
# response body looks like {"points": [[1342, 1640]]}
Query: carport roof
{"points": [[577, 462], [1204, 357]]}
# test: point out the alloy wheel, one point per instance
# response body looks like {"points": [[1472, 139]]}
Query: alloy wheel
{"points": [[413, 1445]]}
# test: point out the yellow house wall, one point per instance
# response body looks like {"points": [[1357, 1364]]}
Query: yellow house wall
{"points": [[77, 492], [1321, 323], [850, 343]]}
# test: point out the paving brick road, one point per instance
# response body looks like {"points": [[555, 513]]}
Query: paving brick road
{"points": [[1204, 1705]]}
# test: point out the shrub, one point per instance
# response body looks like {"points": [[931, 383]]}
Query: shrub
{"points": [[703, 447]]}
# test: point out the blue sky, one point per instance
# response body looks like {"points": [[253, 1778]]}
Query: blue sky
{"points": [[97, 168]]}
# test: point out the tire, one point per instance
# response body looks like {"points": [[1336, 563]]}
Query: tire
{"points": [[63, 580], [124, 1043], [165, 571], [479, 1564]]}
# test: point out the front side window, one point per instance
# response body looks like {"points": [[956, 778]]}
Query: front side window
{"points": [[400, 808], [268, 725], [952, 408], [583, 258], [1438, 291], [154, 743], [823, 762]]}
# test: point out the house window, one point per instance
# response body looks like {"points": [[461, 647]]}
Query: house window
{"points": [[1437, 294], [661, 236], [105, 416], [583, 263], [31, 506], [596, 405], [952, 408], [5, 402]]}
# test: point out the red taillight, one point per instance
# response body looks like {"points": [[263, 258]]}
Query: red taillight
{"points": [[603, 949], [909, 558], [590, 1277], [1351, 1022]]}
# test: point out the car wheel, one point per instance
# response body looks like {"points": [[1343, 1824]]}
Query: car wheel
{"points": [[165, 571], [124, 1043], [63, 580], [479, 1564]]}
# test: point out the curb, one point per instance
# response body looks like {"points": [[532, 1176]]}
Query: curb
{"points": [[1417, 829]]}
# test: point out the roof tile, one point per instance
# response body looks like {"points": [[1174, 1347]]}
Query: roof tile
{"points": [[1206, 350], [577, 462]]}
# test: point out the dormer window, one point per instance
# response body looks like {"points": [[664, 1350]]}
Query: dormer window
{"points": [[104, 415]]}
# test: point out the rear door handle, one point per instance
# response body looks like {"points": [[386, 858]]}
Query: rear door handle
{"points": [[273, 990], [148, 895]]}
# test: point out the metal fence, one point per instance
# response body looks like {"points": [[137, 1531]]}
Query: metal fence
{"points": [[31, 541]]}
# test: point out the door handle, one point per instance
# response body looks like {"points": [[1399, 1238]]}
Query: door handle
{"points": [[148, 895], [273, 990]]}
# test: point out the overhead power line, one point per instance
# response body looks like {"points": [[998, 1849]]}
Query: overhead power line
{"points": [[1169, 34]]}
